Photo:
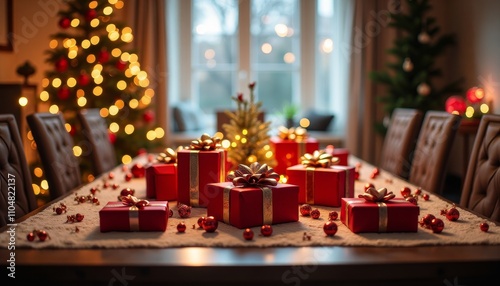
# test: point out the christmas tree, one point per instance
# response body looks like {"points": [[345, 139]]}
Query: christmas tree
{"points": [[94, 69], [409, 79], [248, 135]]}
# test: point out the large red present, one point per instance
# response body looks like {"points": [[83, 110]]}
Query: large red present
{"points": [[288, 152], [396, 215], [198, 166], [161, 181], [322, 186], [116, 216], [244, 207]]}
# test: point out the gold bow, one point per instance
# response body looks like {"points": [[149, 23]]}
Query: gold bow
{"points": [[255, 175], [130, 200], [168, 156], [318, 159], [297, 133], [206, 143], [380, 195]]}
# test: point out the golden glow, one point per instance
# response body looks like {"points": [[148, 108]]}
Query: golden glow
{"points": [[219, 134], [90, 178], [283, 179], [479, 93], [121, 85], [29, 135], [53, 44], [234, 144], [484, 108], [75, 22], [225, 143], [71, 82], [107, 11], [469, 112], [36, 189], [237, 137], [266, 48], [146, 100], [142, 75], [289, 58], [209, 54], [85, 44], [125, 57], [119, 4], [304, 122], [266, 147], [80, 93], [269, 154], [68, 127], [44, 95], [119, 103], [133, 103], [56, 82], [110, 28], [94, 23], [134, 58], [93, 5], [98, 67], [116, 52], [244, 132], [281, 30], [82, 101], [151, 135], [149, 92], [95, 40], [44, 184], [98, 80], [114, 35], [91, 59], [72, 53], [243, 140], [45, 82], [129, 129], [104, 112], [127, 38], [38, 172], [159, 132], [112, 1], [23, 101], [113, 110], [97, 91], [54, 109], [114, 127], [126, 159], [327, 46], [252, 158], [77, 151]]}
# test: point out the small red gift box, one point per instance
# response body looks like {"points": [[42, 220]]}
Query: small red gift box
{"points": [[288, 152], [396, 215], [244, 207], [115, 216], [322, 186], [196, 169], [342, 154], [161, 182]]}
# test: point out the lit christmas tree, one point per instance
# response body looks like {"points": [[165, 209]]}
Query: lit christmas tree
{"points": [[248, 135], [93, 69], [410, 77]]}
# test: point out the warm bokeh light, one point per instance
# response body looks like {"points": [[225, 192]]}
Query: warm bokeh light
{"points": [[68, 127], [455, 105], [225, 143], [38, 172], [281, 30], [44, 184], [129, 129], [77, 151], [104, 112], [289, 58], [484, 108], [82, 101], [71, 82], [94, 23], [469, 112], [327, 46], [114, 127], [56, 82], [266, 48], [113, 110], [44, 95], [36, 189], [475, 94], [107, 10], [126, 159], [75, 22], [252, 158], [160, 133], [23, 101], [151, 135], [304, 122], [54, 109]]}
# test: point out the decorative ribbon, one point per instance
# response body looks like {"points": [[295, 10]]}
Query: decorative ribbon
{"points": [[168, 156], [194, 179], [133, 214], [380, 195], [383, 217], [318, 159], [206, 143], [297, 133]]}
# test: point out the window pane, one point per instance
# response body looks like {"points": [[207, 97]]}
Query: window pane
{"points": [[215, 89], [274, 89], [324, 44]]}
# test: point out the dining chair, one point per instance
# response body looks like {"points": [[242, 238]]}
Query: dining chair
{"points": [[399, 142], [99, 148], [481, 190], [430, 158], [55, 148], [15, 178]]}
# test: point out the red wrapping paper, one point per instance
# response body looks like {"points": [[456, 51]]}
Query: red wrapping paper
{"points": [[115, 216], [342, 154], [362, 216], [161, 182], [196, 169], [288, 152], [322, 186], [246, 204]]}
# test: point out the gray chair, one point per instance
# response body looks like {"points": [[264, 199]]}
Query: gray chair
{"points": [[481, 191], [14, 173], [430, 158], [55, 148], [98, 148], [399, 141]]}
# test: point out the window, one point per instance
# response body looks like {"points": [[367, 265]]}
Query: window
{"points": [[217, 47]]}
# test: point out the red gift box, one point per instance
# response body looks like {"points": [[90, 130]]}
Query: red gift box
{"points": [[196, 169], [244, 207], [342, 154], [288, 152], [396, 215], [115, 216], [322, 186], [161, 182]]}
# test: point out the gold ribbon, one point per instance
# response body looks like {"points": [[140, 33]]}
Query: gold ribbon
{"points": [[225, 203], [318, 159], [380, 195], [194, 181], [133, 214], [168, 156], [133, 218], [310, 185], [206, 143], [267, 204], [297, 134], [382, 217]]}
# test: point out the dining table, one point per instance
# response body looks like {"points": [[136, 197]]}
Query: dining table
{"points": [[297, 253]]}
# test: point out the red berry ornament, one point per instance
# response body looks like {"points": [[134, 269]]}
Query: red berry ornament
{"points": [[427, 220], [248, 234], [111, 175], [121, 65], [90, 14], [127, 191], [330, 228], [181, 227], [128, 177], [184, 211], [437, 225], [452, 214], [333, 215], [405, 192], [103, 56], [484, 226], [210, 224], [64, 23], [62, 65], [30, 236], [42, 235], [138, 170], [425, 197], [305, 210], [63, 93], [201, 220], [148, 116], [418, 191], [266, 230], [315, 214]]}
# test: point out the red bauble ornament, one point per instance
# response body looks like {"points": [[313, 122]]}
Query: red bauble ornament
{"points": [[148, 116], [184, 211], [112, 137], [376, 171], [103, 56], [90, 14], [42, 235], [315, 213], [65, 22], [62, 65], [111, 175], [63, 93], [30, 236], [79, 217], [405, 192], [427, 220], [425, 197], [121, 65], [138, 170], [437, 225], [128, 177], [452, 214], [412, 200], [105, 185], [330, 228], [484, 226], [418, 191], [305, 210], [200, 221], [83, 79], [333, 215], [181, 227], [369, 185], [127, 191], [210, 224], [248, 234], [124, 168], [266, 230], [94, 190], [115, 186]]}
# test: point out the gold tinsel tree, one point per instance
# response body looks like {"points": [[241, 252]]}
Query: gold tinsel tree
{"points": [[247, 133]]}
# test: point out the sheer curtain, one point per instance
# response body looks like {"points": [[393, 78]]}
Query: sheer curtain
{"points": [[148, 22]]}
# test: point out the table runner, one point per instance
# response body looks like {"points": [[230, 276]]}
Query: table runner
{"points": [[305, 232]]}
